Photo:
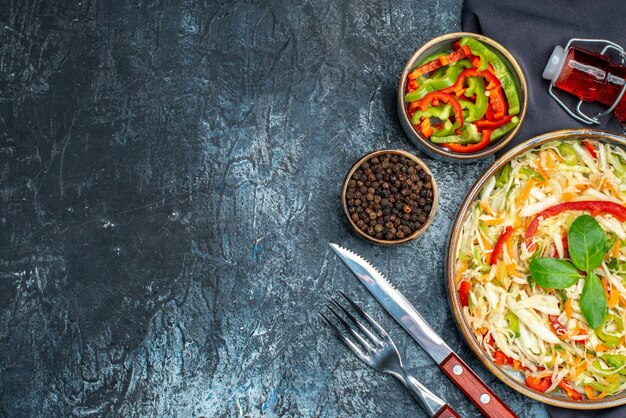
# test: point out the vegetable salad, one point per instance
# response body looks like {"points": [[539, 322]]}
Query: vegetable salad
{"points": [[541, 270]]}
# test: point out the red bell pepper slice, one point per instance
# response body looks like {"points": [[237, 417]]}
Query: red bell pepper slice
{"points": [[471, 147], [453, 57], [438, 96], [590, 149], [498, 103], [411, 86], [558, 328], [570, 391], [497, 249], [473, 72], [540, 384], [489, 113], [464, 290], [486, 124], [593, 206]]}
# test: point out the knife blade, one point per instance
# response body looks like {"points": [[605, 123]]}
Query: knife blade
{"points": [[402, 311]]}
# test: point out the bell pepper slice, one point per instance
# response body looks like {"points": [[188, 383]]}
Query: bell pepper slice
{"points": [[570, 391], [425, 128], [476, 110], [445, 98], [513, 322], [497, 103], [473, 72], [568, 153], [501, 71], [464, 290], [503, 130], [440, 62], [485, 124], [497, 249], [590, 149], [593, 206], [486, 135], [558, 328], [540, 384], [432, 84], [468, 135], [439, 112], [611, 331]]}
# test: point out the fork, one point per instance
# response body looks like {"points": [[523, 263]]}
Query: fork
{"points": [[378, 351]]}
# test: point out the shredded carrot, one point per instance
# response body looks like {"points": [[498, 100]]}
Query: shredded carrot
{"points": [[553, 156], [591, 393], [510, 268], [543, 173], [567, 196], [568, 308], [575, 373], [601, 348], [486, 243], [617, 247], [485, 207], [491, 222], [526, 191], [459, 272], [613, 191]]}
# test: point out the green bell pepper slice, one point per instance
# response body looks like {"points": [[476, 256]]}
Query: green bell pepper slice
{"points": [[608, 388], [469, 135], [471, 86], [611, 330], [504, 176], [568, 153], [437, 83], [448, 129], [503, 130], [501, 70], [439, 112], [530, 173], [476, 110], [513, 322], [430, 58]]}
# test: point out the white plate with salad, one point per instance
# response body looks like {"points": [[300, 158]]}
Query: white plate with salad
{"points": [[537, 268]]}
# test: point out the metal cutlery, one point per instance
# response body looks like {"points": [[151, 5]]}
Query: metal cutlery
{"points": [[487, 402], [377, 350]]}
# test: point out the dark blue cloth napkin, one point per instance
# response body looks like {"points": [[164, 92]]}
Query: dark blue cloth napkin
{"points": [[530, 29]]}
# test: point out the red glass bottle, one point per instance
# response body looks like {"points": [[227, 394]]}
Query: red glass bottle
{"points": [[588, 75]]}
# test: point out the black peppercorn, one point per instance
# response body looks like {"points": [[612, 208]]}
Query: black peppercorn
{"points": [[389, 197]]}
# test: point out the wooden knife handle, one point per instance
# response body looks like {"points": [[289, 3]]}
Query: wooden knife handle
{"points": [[475, 389], [446, 412]]}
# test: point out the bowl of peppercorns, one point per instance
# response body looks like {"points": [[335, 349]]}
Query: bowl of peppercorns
{"points": [[389, 197]]}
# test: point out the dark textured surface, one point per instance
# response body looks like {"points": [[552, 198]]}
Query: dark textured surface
{"points": [[169, 183]]}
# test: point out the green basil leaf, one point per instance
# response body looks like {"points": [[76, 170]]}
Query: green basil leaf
{"points": [[553, 273], [586, 243], [593, 301]]}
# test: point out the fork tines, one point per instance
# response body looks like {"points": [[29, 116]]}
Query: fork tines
{"points": [[367, 340]]}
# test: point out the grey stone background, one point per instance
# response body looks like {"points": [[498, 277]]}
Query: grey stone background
{"points": [[169, 181]]}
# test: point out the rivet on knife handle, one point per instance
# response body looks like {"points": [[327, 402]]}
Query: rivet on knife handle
{"points": [[474, 388]]}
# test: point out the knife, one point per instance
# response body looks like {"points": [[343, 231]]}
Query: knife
{"points": [[487, 402]]}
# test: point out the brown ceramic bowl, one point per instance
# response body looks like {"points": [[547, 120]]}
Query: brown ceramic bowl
{"points": [[514, 379], [444, 43], [416, 233]]}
